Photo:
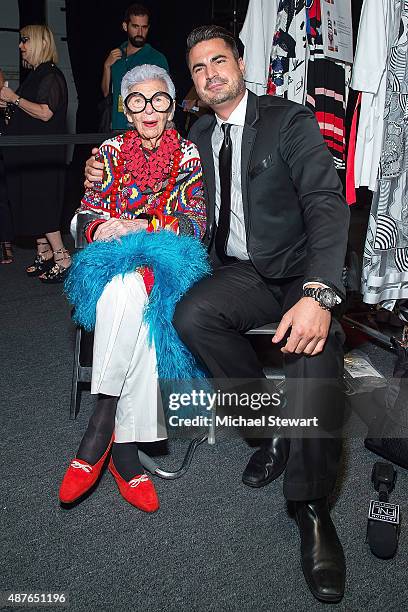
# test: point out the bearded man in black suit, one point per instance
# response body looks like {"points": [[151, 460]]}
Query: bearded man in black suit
{"points": [[277, 236]]}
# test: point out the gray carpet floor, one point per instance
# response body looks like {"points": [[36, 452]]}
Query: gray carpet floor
{"points": [[214, 544]]}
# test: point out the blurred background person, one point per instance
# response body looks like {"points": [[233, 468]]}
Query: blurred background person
{"points": [[6, 228], [35, 175], [194, 108], [133, 52]]}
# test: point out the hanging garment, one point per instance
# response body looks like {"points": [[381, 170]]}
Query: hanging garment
{"points": [[385, 263], [287, 71], [326, 88], [257, 35], [376, 35], [351, 196]]}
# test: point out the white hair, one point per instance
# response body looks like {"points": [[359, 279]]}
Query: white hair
{"points": [[146, 72]]}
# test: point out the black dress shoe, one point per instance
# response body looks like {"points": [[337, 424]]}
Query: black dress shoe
{"points": [[322, 554], [267, 463]]}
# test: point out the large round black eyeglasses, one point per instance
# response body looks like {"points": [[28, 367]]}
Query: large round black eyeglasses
{"points": [[136, 102]]}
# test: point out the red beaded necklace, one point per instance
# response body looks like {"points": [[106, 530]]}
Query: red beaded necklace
{"points": [[149, 172]]}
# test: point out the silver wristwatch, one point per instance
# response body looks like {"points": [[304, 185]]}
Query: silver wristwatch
{"points": [[326, 297]]}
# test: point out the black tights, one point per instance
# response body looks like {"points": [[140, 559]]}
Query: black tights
{"points": [[97, 437], [126, 460]]}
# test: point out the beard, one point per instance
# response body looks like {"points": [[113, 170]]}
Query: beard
{"points": [[137, 41], [233, 89]]}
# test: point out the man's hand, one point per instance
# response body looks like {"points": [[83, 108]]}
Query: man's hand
{"points": [[310, 325], [115, 228], [93, 170], [113, 57]]}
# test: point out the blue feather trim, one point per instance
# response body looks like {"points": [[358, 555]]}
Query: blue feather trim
{"points": [[178, 262]]}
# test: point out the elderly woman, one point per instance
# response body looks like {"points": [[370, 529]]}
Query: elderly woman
{"points": [[152, 181], [35, 175]]}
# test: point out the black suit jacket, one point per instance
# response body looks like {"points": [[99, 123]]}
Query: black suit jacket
{"points": [[296, 218]]}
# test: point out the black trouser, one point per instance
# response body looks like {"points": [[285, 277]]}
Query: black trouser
{"points": [[211, 320]]}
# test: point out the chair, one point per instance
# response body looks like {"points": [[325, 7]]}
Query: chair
{"points": [[82, 368], [82, 372]]}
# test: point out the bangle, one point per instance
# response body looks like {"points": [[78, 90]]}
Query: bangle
{"points": [[90, 229], [17, 101]]}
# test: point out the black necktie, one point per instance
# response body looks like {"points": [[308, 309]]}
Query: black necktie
{"points": [[224, 216]]}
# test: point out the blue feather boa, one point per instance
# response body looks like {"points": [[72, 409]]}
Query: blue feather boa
{"points": [[178, 262]]}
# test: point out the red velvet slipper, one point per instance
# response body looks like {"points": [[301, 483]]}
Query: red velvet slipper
{"points": [[80, 477], [139, 491]]}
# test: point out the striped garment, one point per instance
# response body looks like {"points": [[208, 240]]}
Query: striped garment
{"points": [[326, 88], [318, 82]]}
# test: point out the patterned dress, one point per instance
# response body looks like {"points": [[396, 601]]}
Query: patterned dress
{"points": [[185, 205], [385, 263], [300, 72], [287, 71]]}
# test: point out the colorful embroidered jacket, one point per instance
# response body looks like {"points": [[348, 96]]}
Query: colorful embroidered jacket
{"points": [[184, 210]]}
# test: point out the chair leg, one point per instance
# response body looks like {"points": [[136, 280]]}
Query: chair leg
{"points": [[212, 426], [154, 468], [75, 389]]}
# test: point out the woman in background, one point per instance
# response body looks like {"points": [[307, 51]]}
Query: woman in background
{"points": [[35, 175], [6, 227]]}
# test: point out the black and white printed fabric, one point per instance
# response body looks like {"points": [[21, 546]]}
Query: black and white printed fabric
{"points": [[385, 263]]}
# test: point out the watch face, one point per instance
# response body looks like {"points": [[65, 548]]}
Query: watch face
{"points": [[327, 297]]}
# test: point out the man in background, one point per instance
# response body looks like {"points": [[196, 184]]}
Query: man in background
{"points": [[133, 52]]}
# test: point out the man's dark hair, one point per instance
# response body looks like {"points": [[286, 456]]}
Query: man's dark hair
{"points": [[209, 32], [136, 10]]}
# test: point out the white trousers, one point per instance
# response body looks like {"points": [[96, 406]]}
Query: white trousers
{"points": [[124, 365]]}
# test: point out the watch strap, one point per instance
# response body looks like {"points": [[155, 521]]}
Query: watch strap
{"points": [[314, 292]]}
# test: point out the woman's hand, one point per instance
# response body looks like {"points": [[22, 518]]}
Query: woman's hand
{"points": [[7, 95], [115, 228], [93, 170], [38, 111]]}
